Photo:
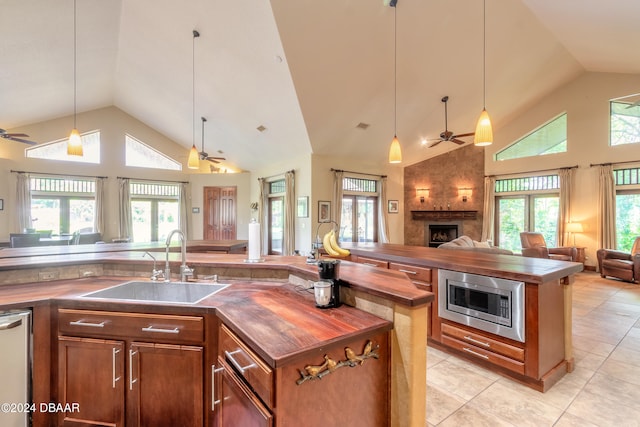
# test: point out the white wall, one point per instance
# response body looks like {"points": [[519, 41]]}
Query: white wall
{"points": [[586, 102]]}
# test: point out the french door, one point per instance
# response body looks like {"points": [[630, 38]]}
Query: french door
{"points": [[530, 212]]}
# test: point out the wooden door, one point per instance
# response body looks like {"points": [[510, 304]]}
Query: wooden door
{"points": [[239, 404], [219, 213], [91, 381], [166, 385]]}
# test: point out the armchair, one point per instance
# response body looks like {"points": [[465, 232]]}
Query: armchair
{"points": [[534, 245], [622, 265]]}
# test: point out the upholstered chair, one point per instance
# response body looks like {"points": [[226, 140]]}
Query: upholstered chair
{"points": [[534, 245], [622, 265]]}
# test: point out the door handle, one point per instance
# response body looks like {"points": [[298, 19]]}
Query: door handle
{"points": [[113, 367], [131, 380], [10, 325]]}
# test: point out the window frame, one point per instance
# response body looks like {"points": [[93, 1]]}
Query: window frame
{"points": [[156, 194]]}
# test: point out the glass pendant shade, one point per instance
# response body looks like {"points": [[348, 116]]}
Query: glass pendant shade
{"points": [[74, 145], [395, 154], [484, 132], [194, 158]]}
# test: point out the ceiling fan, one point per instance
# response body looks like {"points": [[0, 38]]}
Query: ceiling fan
{"points": [[447, 135], [16, 137], [203, 154]]}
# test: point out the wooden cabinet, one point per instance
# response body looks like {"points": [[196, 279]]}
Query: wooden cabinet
{"points": [[131, 368], [371, 262], [350, 390], [420, 276]]}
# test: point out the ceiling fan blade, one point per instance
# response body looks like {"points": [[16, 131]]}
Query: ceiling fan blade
{"points": [[24, 141], [435, 143], [212, 159], [463, 135], [11, 135], [457, 141]]}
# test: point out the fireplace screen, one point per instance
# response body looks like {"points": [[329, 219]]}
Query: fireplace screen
{"points": [[442, 233]]}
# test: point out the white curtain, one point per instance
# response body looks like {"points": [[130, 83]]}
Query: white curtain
{"points": [[489, 213], [124, 208], [383, 215], [564, 213], [289, 240], [185, 208], [98, 219], [606, 208], [336, 201], [23, 201], [262, 206]]}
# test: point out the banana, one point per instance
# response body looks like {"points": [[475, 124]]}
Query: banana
{"points": [[336, 247], [326, 243]]}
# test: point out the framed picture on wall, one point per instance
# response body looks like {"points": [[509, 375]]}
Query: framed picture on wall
{"points": [[303, 207], [393, 206], [324, 211]]}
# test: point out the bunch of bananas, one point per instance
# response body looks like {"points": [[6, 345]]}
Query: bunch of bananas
{"points": [[331, 245]]}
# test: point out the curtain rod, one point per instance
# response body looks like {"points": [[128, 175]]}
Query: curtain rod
{"points": [[154, 180], [614, 163], [59, 174], [278, 174], [541, 170], [359, 173]]}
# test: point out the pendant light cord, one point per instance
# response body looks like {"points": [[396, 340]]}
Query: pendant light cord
{"points": [[395, 71], [75, 66], [484, 54], [193, 84]]}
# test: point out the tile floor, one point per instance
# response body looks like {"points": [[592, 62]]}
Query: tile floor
{"points": [[603, 390]]}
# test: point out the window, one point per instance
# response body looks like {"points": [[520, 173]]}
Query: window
{"points": [[547, 139], [155, 210], [624, 123], [359, 218], [627, 207], [139, 154], [276, 216], [527, 204], [57, 150], [62, 205]]}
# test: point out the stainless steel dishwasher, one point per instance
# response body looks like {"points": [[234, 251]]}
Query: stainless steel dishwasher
{"points": [[15, 368]]}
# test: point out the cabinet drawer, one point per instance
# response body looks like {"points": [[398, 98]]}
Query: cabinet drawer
{"points": [[482, 354], [247, 364], [484, 342], [140, 326], [421, 274], [372, 262]]}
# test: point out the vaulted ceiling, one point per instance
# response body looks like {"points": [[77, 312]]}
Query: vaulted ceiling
{"points": [[308, 71]]}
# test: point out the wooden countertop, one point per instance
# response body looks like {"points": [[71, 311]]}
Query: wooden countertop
{"points": [[192, 246], [279, 320], [531, 270]]}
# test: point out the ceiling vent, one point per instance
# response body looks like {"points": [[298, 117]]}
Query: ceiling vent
{"points": [[362, 125]]}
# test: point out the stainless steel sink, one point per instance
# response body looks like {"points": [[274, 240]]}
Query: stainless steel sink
{"points": [[176, 292]]}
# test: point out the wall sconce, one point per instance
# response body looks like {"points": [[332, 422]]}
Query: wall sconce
{"points": [[422, 193], [465, 193]]}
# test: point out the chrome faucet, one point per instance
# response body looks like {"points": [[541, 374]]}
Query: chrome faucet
{"points": [[155, 274], [185, 271]]}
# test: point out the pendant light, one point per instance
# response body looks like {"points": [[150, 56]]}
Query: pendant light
{"points": [[484, 132], [194, 157], [74, 145], [395, 153]]}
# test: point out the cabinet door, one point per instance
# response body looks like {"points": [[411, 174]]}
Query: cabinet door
{"points": [[165, 385], [239, 405], [91, 381]]}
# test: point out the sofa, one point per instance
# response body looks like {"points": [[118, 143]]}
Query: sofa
{"points": [[465, 243]]}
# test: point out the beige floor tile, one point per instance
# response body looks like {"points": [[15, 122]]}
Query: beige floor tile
{"points": [[591, 345], [441, 404], [624, 392], [604, 410], [509, 402], [623, 371], [587, 360], [457, 380], [626, 355], [570, 420], [468, 415]]}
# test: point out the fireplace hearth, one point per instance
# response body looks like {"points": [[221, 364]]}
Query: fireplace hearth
{"points": [[441, 233]]}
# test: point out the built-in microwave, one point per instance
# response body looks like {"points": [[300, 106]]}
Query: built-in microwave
{"points": [[482, 302]]}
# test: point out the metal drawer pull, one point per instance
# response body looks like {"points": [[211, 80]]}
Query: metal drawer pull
{"points": [[407, 271], [235, 363], [164, 331], [468, 350], [83, 323], [484, 344], [11, 325], [370, 264], [131, 380], [115, 351], [214, 371]]}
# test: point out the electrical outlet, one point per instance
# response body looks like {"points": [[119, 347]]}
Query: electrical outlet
{"points": [[48, 275]]}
